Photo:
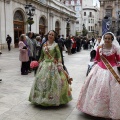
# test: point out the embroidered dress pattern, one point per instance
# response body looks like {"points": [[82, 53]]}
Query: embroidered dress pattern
{"points": [[100, 94], [50, 87]]}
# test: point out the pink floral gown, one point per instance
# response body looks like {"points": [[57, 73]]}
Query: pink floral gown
{"points": [[100, 94]]}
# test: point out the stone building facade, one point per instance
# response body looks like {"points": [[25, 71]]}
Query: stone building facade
{"points": [[87, 13], [77, 6], [90, 15], [49, 14], [111, 10]]}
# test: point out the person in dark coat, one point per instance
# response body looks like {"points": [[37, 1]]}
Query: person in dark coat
{"points": [[9, 40], [68, 44], [78, 43]]}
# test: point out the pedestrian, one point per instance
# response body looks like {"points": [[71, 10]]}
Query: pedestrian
{"points": [[97, 42], [85, 43], [33, 38], [44, 38], [31, 49], [100, 94], [78, 43], [38, 46], [68, 44], [23, 56], [73, 50], [9, 40], [50, 87], [61, 42]]}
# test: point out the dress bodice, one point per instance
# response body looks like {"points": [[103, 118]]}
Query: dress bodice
{"points": [[53, 50], [110, 54]]}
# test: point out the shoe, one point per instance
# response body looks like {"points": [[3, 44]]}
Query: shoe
{"points": [[0, 79], [29, 71], [24, 73]]}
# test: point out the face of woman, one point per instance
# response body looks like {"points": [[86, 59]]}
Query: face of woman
{"points": [[24, 38], [108, 39], [99, 39], [51, 36]]}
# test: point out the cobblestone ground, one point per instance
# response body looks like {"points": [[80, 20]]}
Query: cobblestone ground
{"points": [[14, 90]]}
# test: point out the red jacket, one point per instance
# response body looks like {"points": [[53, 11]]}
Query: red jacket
{"points": [[74, 43]]}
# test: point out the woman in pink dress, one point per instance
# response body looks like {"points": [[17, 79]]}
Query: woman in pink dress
{"points": [[100, 94]]}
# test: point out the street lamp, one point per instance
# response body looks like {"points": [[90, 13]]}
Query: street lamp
{"points": [[30, 11]]}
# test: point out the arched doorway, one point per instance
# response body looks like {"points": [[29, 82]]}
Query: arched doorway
{"points": [[68, 29], [18, 26], [42, 26], [57, 27]]}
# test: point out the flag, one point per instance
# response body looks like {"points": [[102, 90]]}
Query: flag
{"points": [[106, 26]]}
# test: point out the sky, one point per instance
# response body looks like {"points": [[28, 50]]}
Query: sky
{"points": [[96, 1]]}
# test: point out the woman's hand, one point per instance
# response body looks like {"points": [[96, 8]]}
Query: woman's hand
{"points": [[39, 61], [59, 67]]}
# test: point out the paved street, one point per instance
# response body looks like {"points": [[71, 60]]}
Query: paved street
{"points": [[14, 90]]}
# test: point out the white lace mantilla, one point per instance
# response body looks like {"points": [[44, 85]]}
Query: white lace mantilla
{"points": [[108, 52]]}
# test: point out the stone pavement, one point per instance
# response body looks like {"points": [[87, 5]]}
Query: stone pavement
{"points": [[14, 90]]}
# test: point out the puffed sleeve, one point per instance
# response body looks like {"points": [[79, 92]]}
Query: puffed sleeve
{"points": [[97, 57]]}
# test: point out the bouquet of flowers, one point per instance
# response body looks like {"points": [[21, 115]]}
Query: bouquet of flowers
{"points": [[34, 64]]}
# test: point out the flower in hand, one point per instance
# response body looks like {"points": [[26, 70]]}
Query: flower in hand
{"points": [[34, 64]]}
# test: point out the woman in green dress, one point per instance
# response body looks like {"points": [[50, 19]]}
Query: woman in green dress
{"points": [[50, 87]]}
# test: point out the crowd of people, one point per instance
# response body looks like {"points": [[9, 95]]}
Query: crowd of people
{"points": [[99, 95], [32, 43]]}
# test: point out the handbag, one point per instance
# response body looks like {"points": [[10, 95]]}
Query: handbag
{"points": [[24, 47]]}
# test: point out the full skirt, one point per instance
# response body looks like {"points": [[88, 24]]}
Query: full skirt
{"points": [[100, 94], [50, 87]]}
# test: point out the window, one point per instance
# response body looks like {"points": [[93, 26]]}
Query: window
{"points": [[77, 14], [84, 13], [89, 28], [67, 3], [43, 1], [90, 14], [89, 20], [78, 2], [109, 12], [18, 16], [72, 2], [77, 22], [77, 8], [42, 21]]}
